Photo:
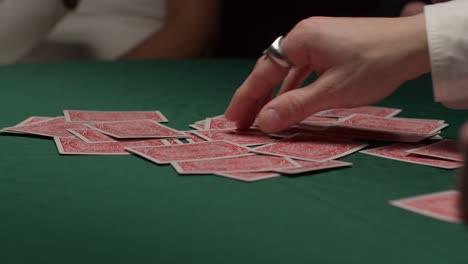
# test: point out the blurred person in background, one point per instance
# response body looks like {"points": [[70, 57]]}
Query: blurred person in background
{"points": [[64, 30], [415, 7]]}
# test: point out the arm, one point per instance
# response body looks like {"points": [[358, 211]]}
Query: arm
{"points": [[24, 23], [447, 34], [189, 28]]}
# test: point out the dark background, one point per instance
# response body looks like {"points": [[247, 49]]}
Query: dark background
{"points": [[248, 27]]}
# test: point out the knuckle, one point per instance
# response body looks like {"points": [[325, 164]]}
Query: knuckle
{"points": [[311, 25], [296, 107]]}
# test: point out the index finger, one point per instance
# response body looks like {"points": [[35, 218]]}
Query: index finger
{"points": [[250, 96]]}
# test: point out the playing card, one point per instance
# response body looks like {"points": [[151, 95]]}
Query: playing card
{"points": [[440, 205], [436, 137], [33, 119], [55, 127], [198, 126], [319, 121], [76, 146], [136, 129], [375, 123], [249, 163], [303, 129], [351, 132], [172, 141], [192, 151], [193, 137], [249, 176], [250, 137], [433, 121], [399, 152], [29, 121], [91, 136], [311, 147], [309, 166], [445, 149], [102, 116], [219, 123], [365, 110]]}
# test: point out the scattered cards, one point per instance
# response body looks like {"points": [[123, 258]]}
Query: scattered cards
{"points": [[217, 147], [399, 151]]}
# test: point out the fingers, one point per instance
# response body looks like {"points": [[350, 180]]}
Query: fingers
{"points": [[247, 122], [294, 106], [327, 92], [295, 78], [248, 98], [265, 77]]}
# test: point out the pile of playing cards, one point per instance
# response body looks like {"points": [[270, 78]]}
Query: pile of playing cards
{"points": [[216, 147]]}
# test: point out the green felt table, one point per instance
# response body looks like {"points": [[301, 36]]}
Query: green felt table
{"points": [[123, 209]]}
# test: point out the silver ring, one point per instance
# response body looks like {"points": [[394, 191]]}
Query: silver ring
{"points": [[275, 53]]}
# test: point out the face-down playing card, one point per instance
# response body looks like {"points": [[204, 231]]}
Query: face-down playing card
{"points": [[192, 151], [440, 205], [136, 129], [310, 166], [247, 163], [399, 151], [55, 127], [311, 147], [445, 149], [249, 176], [101, 116], [76, 146], [249, 137]]}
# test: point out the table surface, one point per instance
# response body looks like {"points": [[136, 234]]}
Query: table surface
{"points": [[123, 209]]}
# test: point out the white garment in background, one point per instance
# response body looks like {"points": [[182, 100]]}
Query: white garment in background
{"points": [[447, 34], [98, 29]]}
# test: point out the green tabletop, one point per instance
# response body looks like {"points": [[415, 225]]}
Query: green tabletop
{"points": [[123, 209]]}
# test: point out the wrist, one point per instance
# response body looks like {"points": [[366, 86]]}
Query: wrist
{"points": [[413, 40]]}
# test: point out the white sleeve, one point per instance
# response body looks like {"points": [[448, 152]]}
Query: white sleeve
{"points": [[24, 23], [447, 34]]}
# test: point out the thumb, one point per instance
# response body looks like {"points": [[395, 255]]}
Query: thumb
{"points": [[294, 106]]}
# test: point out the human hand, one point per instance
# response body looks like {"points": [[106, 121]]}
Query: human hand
{"points": [[359, 62]]}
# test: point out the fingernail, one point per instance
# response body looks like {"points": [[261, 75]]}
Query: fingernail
{"points": [[269, 120]]}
